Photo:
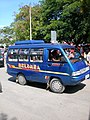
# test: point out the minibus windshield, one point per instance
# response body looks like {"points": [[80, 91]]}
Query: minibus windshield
{"points": [[73, 54]]}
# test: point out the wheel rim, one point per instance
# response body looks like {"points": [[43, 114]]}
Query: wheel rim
{"points": [[56, 85], [21, 80]]}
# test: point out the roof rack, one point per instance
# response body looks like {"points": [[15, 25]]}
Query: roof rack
{"points": [[24, 42]]}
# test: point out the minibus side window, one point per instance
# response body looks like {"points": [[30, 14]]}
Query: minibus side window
{"points": [[36, 55], [13, 55], [73, 54], [23, 54], [56, 55]]}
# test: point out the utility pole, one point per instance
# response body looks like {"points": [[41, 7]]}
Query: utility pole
{"points": [[30, 21]]}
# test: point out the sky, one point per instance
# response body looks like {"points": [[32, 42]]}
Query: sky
{"points": [[9, 7]]}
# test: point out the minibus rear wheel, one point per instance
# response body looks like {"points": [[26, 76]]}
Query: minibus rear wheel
{"points": [[56, 86], [21, 79]]}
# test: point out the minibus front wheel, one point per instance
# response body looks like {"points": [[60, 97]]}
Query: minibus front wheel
{"points": [[56, 86], [21, 79]]}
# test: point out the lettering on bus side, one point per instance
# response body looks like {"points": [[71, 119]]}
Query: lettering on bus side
{"points": [[28, 66]]}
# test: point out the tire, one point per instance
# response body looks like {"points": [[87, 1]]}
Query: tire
{"points": [[0, 87], [56, 86], [21, 79]]}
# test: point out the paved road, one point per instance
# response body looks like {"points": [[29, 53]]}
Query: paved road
{"points": [[32, 102]]}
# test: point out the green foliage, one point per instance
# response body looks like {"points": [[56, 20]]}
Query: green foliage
{"points": [[21, 24], [6, 35], [69, 18], [36, 22]]}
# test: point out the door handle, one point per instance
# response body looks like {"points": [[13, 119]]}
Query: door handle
{"points": [[49, 64]]}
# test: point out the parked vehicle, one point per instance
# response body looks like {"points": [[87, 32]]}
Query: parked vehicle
{"points": [[1, 57], [31, 60]]}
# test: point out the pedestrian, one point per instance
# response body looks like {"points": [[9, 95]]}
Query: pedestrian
{"points": [[0, 87], [88, 57]]}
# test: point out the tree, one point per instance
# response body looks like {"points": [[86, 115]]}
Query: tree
{"points": [[66, 18], [36, 22], [69, 18], [85, 9], [51, 11], [21, 24], [6, 35]]}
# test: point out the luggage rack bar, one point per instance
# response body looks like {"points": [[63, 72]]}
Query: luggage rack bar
{"points": [[24, 42]]}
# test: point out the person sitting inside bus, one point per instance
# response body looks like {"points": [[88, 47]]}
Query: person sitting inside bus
{"points": [[71, 54], [56, 56]]}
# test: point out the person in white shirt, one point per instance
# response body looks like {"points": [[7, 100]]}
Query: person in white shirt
{"points": [[88, 57]]}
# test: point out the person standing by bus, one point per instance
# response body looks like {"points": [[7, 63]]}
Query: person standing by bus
{"points": [[88, 57]]}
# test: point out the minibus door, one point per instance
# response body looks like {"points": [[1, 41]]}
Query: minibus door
{"points": [[54, 68]]}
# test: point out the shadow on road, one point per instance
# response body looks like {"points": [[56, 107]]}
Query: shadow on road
{"points": [[33, 84], [38, 85], [4, 116], [12, 79], [74, 89], [68, 90]]}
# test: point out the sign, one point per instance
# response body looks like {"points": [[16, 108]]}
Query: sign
{"points": [[53, 37]]}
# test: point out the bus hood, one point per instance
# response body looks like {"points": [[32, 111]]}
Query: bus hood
{"points": [[80, 68], [79, 65]]}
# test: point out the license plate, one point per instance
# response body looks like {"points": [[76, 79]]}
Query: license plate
{"points": [[87, 76]]}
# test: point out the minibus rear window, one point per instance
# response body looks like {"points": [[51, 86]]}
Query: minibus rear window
{"points": [[13, 55]]}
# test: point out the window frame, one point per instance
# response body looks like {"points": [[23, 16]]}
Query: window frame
{"points": [[23, 55], [35, 55], [12, 55]]}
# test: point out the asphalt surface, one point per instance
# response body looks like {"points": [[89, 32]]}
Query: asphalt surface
{"points": [[34, 102]]}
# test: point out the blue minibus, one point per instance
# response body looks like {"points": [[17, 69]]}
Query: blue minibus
{"points": [[57, 65]]}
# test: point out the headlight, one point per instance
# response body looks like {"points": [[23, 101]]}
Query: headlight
{"points": [[79, 72], [76, 73]]}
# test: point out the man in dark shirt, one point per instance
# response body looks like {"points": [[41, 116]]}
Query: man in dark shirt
{"points": [[56, 55]]}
